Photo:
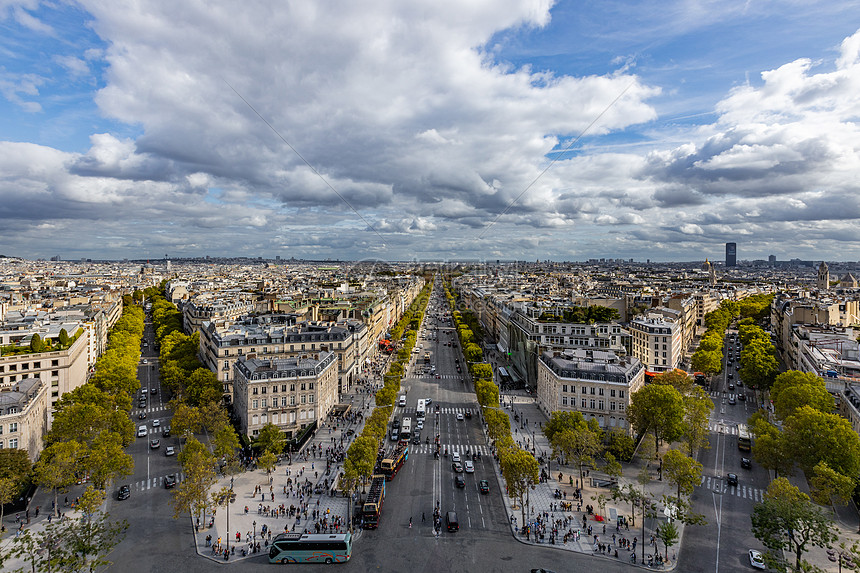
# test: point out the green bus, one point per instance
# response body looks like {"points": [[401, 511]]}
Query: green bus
{"points": [[311, 548]]}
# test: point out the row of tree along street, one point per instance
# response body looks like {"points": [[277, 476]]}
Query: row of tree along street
{"points": [[197, 406], [361, 456], [91, 426]]}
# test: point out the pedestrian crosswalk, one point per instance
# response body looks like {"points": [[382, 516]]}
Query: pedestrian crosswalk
{"points": [[725, 428], [143, 485], [719, 485], [462, 449], [408, 410]]}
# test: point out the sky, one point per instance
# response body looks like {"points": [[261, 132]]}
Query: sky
{"points": [[430, 130]]}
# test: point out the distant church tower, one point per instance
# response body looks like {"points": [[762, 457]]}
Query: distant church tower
{"points": [[823, 282], [712, 272]]}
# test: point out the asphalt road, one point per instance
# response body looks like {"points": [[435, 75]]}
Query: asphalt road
{"points": [[723, 543]]}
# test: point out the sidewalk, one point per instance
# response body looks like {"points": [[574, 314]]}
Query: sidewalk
{"points": [[296, 497], [574, 530]]}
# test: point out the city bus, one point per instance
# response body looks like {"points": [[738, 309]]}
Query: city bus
{"points": [[406, 430], [744, 439], [311, 548], [421, 410]]}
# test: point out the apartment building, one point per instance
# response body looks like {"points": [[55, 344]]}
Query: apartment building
{"points": [[61, 370], [24, 415], [282, 336], [596, 383], [656, 342], [291, 393]]}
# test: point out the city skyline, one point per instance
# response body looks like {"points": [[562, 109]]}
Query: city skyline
{"points": [[505, 130]]}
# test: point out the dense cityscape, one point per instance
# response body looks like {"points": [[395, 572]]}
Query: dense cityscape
{"points": [[631, 414], [503, 285]]}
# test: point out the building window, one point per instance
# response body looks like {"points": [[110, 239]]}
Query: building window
{"points": [[13, 443], [264, 403], [311, 398], [55, 362], [302, 386], [292, 400], [274, 389], [592, 403], [600, 391], [292, 387], [283, 400], [564, 388], [612, 392], [564, 400], [13, 426], [263, 390], [255, 404], [621, 393], [254, 390], [584, 403], [621, 406], [600, 404], [612, 405], [592, 390], [304, 399], [310, 385]]}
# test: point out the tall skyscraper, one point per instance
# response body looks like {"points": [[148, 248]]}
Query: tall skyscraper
{"points": [[731, 254]]}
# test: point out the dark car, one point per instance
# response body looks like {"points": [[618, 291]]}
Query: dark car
{"points": [[746, 463], [732, 479], [732, 401], [731, 387], [141, 416], [124, 492], [166, 432], [460, 481], [484, 486], [169, 481], [468, 413], [742, 397], [416, 438]]}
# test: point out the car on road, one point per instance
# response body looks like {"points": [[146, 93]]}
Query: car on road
{"points": [[757, 559], [746, 463], [156, 423], [141, 404], [155, 390], [170, 481], [124, 492], [731, 375], [144, 361], [169, 451], [732, 401], [428, 401], [143, 391], [732, 479], [742, 397], [455, 456], [141, 416], [165, 432], [141, 431], [740, 383], [458, 467], [419, 425], [154, 444], [459, 481], [469, 467], [468, 413], [484, 486], [731, 386], [459, 417], [416, 437]]}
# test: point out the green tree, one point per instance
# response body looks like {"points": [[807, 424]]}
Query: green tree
{"points": [[192, 494], [787, 520], [498, 423], [562, 420], [770, 449], [683, 471], [15, 464], [481, 370], [57, 466], [812, 436], [270, 439], [794, 389], [620, 444], [106, 460], [268, 461], [520, 470], [758, 364], [708, 362], [91, 540], [226, 442], [44, 549], [8, 493], [827, 483], [202, 387], [677, 379], [658, 409], [612, 467], [697, 415], [473, 353], [667, 532], [36, 343], [579, 445], [187, 420]]}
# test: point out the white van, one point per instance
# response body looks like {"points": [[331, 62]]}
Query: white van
{"points": [[402, 401], [141, 431]]}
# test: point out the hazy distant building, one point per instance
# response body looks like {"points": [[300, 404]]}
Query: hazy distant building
{"points": [[772, 259], [823, 282], [731, 254]]}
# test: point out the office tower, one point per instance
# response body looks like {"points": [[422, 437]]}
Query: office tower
{"points": [[731, 254]]}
